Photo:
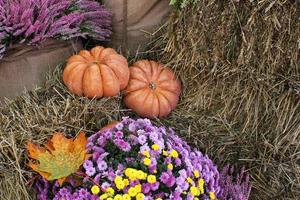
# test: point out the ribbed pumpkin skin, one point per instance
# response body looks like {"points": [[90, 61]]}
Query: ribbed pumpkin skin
{"points": [[96, 73], [153, 90]]}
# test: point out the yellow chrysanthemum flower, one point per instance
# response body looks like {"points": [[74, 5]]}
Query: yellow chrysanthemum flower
{"points": [[110, 191], [129, 172], [170, 166], [138, 188], [118, 197], [141, 175], [140, 196], [147, 161], [195, 191], [109, 198], [146, 153], [155, 147], [126, 197], [158, 199], [132, 192], [196, 173], [103, 196], [201, 185], [174, 154], [212, 195], [151, 179], [196, 198], [120, 185], [189, 180], [95, 189], [118, 179], [126, 182], [165, 153]]}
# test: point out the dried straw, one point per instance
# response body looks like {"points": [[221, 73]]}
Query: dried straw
{"points": [[239, 64], [36, 116]]}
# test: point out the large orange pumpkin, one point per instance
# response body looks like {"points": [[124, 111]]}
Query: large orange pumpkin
{"points": [[153, 90], [96, 73]]}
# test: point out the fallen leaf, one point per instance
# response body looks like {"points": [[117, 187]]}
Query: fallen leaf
{"points": [[60, 158]]}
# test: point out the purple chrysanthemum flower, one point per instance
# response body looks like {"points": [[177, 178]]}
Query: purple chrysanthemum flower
{"points": [[164, 170], [101, 164], [90, 171]]}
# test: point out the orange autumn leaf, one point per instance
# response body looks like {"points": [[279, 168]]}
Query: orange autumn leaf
{"points": [[60, 158]]}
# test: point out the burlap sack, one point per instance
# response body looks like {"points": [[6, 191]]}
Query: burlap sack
{"points": [[134, 21], [27, 66]]}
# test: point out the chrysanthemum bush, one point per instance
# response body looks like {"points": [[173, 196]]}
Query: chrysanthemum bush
{"points": [[32, 21], [137, 160]]}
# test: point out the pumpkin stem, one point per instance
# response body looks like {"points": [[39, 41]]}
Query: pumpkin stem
{"points": [[152, 86], [94, 63]]}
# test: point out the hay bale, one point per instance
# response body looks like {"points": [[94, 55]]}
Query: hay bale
{"points": [[35, 116], [239, 63]]}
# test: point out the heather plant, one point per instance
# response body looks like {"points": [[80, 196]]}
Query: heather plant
{"points": [[234, 188], [137, 160], [32, 21]]}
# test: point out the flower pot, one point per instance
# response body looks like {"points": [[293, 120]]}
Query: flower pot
{"points": [[25, 67]]}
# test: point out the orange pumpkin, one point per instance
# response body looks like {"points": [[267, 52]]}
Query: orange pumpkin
{"points": [[96, 73], [153, 90]]}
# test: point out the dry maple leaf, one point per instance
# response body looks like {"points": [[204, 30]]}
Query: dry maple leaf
{"points": [[61, 157]]}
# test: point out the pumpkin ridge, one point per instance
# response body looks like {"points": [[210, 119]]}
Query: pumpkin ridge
{"points": [[169, 103], [150, 92], [86, 55], [115, 77], [73, 76], [168, 89], [86, 87], [96, 51], [113, 72], [162, 69], [141, 71], [116, 70], [139, 80], [140, 88], [158, 99], [144, 72], [154, 68], [70, 73]]}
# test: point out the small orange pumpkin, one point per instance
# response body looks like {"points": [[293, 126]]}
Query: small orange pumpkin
{"points": [[96, 73], [153, 90], [110, 125]]}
